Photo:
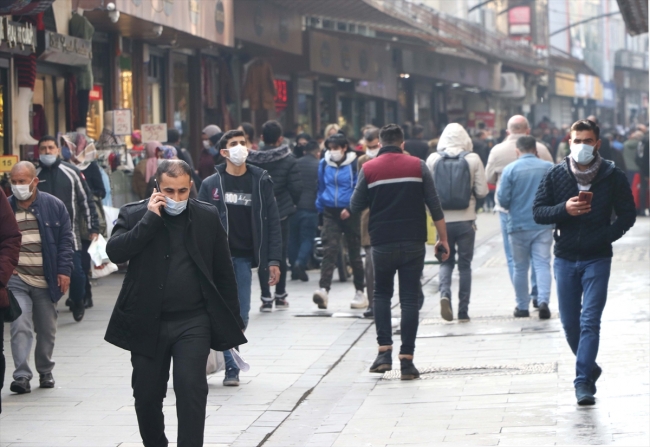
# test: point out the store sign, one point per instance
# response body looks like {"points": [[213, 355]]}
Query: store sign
{"points": [[97, 93], [266, 24], [609, 96], [7, 162], [20, 37], [580, 86], [281, 97], [64, 49], [488, 119], [120, 120], [519, 20], [154, 132]]}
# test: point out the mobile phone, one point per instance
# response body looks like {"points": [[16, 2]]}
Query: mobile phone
{"points": [[585, 196], [439, 252], [155, 182]]}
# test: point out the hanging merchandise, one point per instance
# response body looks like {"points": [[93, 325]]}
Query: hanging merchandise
{"points": [[80, 27], [259, 88]]}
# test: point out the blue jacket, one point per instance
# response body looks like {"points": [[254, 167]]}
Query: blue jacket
{"points": [[56, 238], [336, 183], [516, 193]]}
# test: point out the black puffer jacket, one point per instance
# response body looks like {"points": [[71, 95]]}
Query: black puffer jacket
{"points": [[281, 165], [589, 236]]}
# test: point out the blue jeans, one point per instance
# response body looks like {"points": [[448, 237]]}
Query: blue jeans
{"points": [[503, 217], [77, 280], [302, 231], [407, 259], [532, 245], [244, 277], [582, 293]]}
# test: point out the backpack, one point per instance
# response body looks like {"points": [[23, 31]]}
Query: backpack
{"points": [[453, 181]]}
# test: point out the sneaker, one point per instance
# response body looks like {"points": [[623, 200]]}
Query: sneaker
{"points": [[321, 297], [78, 312], [409, 371], [544, 312], [232, 377], [281, 302], [300, 273], [395, 322], [267, 305], [584, 395], [595, 375], [369, 313], [383, 362], [445, 309], [359, 301], [463, 317], [535, 305], [521, 313], [21, 386], [46, 380]]}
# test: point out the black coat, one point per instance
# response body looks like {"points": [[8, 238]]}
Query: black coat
{"points": [[281, 165], [589, 236], [140, 237]]}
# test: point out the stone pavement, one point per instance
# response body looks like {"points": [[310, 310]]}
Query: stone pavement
{"points": [[488, 382]]}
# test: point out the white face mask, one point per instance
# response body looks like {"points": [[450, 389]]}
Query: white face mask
{"points": [[22, 192], [206, 144], [173, 207], [583, 154], [238, 155], [372, 153], [336, 155], [47, 159]]}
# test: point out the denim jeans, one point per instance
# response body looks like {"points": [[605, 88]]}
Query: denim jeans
{"points": [[244, 277], [503, 217], [407, 259], [263, 275], [532, 245], [302, 231], [461, 236], [582, 293], [78, 280]]}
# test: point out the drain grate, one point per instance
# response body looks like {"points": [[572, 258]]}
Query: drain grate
{"points": [[442, 372]]}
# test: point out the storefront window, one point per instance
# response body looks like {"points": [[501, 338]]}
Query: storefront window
{"points": [[181, 91], [326, 107], [155, 92], [305, 106], [126, 83], [48, 106]]}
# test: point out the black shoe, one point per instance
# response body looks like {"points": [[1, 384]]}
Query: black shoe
{"points": [[544, 312], [281, 302], [267, 306], [595, 375], [301, 273], [409, 371], [232, 377], [69, 304], [535, 305], [445, 308], [46, 380], [21, 386], [78, 312], [88, 303], [383, 362], [521, 313], [584, 396], [369, 313], [463, 317]]}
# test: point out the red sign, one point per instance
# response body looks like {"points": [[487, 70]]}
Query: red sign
{"points": [[475, 118], [281, 97], [519, 20], [97, 93]]}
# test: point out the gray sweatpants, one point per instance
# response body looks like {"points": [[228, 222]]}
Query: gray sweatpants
{"points": [[39, 315]]}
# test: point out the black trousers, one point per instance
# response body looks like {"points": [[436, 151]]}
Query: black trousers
{"points": [[85, 263], [188, 342], [263, 275], [3, 364]]}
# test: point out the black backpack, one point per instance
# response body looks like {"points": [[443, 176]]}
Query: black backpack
{"points": [[453, 181]]}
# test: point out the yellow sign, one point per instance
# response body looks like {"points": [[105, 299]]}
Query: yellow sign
{"points": [[7, 162]]}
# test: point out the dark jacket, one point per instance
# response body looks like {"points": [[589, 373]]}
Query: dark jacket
{"points": [[281, 166], [308, 167], [267, 234], [10, 238], [140, 237], [66, 183], [589, 236], [56, 238], [417, 148], [93, 178]]}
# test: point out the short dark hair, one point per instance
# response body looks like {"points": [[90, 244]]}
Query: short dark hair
{"points": [[223, 142], [526, 144], [249, 130], [371, 134], [271, 132], [303, 136], [337, 140], [173, 168], [173, 135], [586, 125], [214, 139], [47, 138], [391, 135], [312, 146], [417, 131]]}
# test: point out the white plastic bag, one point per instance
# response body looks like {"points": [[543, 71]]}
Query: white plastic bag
{"points": [[239, 360], [111, 214], [103, 270], [216, 362], [97, 251]]}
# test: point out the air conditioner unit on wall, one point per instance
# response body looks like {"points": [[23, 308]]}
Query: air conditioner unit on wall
{"points": [[512, 85]]}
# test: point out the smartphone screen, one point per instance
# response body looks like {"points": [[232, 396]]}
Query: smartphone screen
{"points": [[585, 196]]}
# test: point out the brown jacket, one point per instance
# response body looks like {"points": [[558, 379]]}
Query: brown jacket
{"points": [[10, 238], [259, 87], [365, 214]]}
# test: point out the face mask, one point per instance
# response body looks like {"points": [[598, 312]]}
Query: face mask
{"points": [[372, 153], [206, 144], [22, 192], [336, 155], [47, 159], [583, 154], [173, 207], [238, 155]]}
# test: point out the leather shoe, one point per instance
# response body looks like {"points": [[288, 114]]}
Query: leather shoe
{"points": [[46, 380], [78, 312], [584, 395], [21, 386], [383, 362]]}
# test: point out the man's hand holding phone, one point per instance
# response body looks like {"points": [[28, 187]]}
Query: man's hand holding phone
{"points": [[577, 207], [156, 201], [442, 250]]}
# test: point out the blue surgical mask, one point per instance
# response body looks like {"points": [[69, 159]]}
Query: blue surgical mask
{"points": [[173, 207], [47, 159], [583, 154]]}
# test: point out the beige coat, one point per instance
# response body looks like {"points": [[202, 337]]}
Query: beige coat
{"points": [[365, 214], [454, 140], [505, 153]]}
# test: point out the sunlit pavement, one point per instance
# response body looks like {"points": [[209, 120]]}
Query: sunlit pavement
{"points": [[494, 381]]}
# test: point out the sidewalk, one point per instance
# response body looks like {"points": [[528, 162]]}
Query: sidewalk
{"points": [[491, 381]]}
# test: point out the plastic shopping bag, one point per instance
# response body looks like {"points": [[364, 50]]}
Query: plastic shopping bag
{"points": [[111, 217], [239, 360], [97, 251], [103, 270], [216, 362]]}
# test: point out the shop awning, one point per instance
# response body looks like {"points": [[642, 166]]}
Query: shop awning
{"points": [[559, 59], [635, 14]]}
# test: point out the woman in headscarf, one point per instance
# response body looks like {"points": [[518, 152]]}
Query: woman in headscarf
{"points": [[147, 169]]}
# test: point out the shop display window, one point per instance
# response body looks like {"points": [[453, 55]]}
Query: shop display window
{"points": [[181, 92]]}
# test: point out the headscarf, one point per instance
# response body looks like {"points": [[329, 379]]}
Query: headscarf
{"points": [[169, 152], [211, 130], [136, 137], [152, 162]]}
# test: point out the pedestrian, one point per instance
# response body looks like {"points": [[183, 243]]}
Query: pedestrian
{"points": [[396, 187], [584, 233], [210, 156], [304, 224], [243, 194], [276, 158], [501, 156], [174, 140], [372, 147], [301, 141], [41, 277], [630, 148], [417, 146], [529, 241], [643, 162], [10, 240], [145, 171], [337, 178], [178, 301], [460, 179], [249, 130], [65, 182]]}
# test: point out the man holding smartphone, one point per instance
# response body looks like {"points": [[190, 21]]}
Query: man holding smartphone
{"points": [[178, 300], [584, 233]]}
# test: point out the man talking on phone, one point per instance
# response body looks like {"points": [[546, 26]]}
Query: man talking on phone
{"points": [[178, 300], [579, 196]]}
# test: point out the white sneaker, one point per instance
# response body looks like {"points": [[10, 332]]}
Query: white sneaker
{"points": [[359, 301], [321, 297], [395, 322]]}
